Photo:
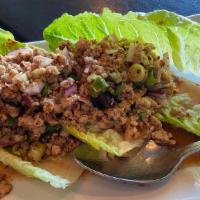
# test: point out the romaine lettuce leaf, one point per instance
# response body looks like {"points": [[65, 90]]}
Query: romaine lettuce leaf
{"points": [[68, 27], [130, 26], [109, 141], [184, 37], [8, 42], [27, 169], [92, 26], [190, 121], [168, 31]]}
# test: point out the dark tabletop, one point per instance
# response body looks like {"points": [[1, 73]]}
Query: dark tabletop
{"points": [[27, 18]]}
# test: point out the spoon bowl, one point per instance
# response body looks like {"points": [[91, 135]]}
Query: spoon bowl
{"points": [[147, 164]]}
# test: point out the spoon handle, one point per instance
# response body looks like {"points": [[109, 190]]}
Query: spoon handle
{"points": [[190, 149]]}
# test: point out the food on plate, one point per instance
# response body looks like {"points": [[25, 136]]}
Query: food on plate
{"points": [[5, 185], [121, 92], [41, 92], [167, 31], [108, 83]]}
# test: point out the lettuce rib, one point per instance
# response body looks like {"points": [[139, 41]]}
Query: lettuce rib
{"points": [[27, 169], [109, 141]]}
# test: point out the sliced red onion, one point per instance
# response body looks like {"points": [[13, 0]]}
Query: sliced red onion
{"points": [[42, 61], [111, 51], [65, 53], [87, 69], [159, 73], [22, 51], [6, 142], [156, 88], [27, 100], [70, 90], [166, 59], [84, 100], [89, 59], [34, 88], [157, 95]]}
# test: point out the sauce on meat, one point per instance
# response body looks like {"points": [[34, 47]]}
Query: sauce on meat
{"points": [[191, 88], [181, 136]]}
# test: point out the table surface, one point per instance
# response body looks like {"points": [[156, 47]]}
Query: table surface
{"points": [[26, 19]]}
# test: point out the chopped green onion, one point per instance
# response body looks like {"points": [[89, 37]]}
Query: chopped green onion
{"points": [[115, 77], [93, 92], [36, 151], [138, 86], [45, 90], [118, 90], [97, 86], [11, 121], [151, 79], [74, 76], [144, 58], [142, 115], [92, 77], [53, 128], [136, 73], [14, 151]]}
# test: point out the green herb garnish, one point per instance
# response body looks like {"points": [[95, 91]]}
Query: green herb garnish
{"points": [[45, 90]]}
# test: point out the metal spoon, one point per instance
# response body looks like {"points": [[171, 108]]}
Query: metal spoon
{"points": [[148, 164]]}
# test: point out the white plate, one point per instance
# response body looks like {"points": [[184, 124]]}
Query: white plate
{"points": [[183, 185]]}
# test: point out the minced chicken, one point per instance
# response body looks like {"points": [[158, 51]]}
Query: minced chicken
{"points": [[91, 85]]}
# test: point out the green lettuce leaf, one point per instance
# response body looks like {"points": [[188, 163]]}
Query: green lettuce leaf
{"points": [[92, 26], [184, 37], [8, 42], [168, 31], [130, 26], [67, 27], [190, 121], [109, 141], [27, 169]]}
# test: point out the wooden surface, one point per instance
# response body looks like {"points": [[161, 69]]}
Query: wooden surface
{"points": [[27, 18]]}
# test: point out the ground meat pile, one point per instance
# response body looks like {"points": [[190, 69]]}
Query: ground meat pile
{"points": [[91, 85], [5, 185]]}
